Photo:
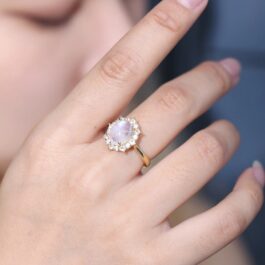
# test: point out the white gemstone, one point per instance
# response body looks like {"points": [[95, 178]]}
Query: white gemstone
{"points": [[137, 132], [122, 134], [107, 140], [132, 142], [121, 131], [122, 148]]}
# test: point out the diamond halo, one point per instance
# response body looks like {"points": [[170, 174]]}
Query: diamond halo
{"points": [[122, 134]]}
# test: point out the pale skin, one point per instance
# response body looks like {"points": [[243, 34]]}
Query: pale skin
{"points": [[66, 199]]}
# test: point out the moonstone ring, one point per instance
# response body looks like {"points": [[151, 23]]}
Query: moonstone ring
{"points": [[123, 135]]}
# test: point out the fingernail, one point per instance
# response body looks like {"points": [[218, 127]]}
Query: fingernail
{"points": [[233, 67], [191, 4], [259, 173]]}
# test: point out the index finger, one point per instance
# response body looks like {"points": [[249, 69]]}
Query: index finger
{"points": [[111, 84]]}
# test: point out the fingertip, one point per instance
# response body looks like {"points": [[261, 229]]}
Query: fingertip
{"points": [[252, 189], [228, 127], [258, 173], [255, 173], [251, 178], [233, 67], [193, 4], [227, 124]]}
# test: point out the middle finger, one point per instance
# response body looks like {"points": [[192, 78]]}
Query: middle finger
{"points": [[177, 103], [112, 83]]}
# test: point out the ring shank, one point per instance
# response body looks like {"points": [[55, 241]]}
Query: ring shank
{"points": [[145, 158]]}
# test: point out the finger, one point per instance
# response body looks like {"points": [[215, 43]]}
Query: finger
{"points": [[172, 107], [177, 103], [201, 236], [180, 175], [115, 79]]}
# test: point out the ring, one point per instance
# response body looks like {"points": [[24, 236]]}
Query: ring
{"points": [[123, 135]]}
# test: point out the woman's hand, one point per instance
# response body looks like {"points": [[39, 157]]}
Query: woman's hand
{"points": [[67, 199]]}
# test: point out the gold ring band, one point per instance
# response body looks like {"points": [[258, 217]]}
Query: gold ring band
{"points": [[145, 158]]}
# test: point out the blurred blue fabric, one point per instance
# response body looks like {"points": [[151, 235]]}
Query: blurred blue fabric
{"points": [[232, 28]]}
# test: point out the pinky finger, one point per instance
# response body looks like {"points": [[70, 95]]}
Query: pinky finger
{"points": [[201, 236]]}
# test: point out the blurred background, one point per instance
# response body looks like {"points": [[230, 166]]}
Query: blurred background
{"points": [[228, 28]]}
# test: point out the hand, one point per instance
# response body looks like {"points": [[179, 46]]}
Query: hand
{"points": [[67, 199]]}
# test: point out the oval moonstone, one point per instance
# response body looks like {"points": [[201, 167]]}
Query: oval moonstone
{"points": [[121, 131]]}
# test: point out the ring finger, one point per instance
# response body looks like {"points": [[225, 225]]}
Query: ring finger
{"points": [[172, 107]]}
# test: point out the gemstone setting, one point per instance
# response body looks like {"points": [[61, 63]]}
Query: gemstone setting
{"points": [[122, 134]]}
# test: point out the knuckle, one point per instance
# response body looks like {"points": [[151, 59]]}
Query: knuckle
{"points": [[210, 147], [166, 19], [37, 144], [218, 76], [96, 190], [42, 143], [176, 99], [90, 180], [37, 155], [88, 183], [119, 66]]}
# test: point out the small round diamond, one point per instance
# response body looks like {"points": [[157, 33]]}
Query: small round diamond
{"points": [[122, 148], [132, 142]]}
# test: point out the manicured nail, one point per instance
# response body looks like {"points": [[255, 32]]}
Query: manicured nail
{"points": [[233, 67], [191, 4], [259, 173]]}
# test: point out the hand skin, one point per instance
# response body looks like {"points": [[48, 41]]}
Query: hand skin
{"points": [[46, 47], [66, 199]]}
